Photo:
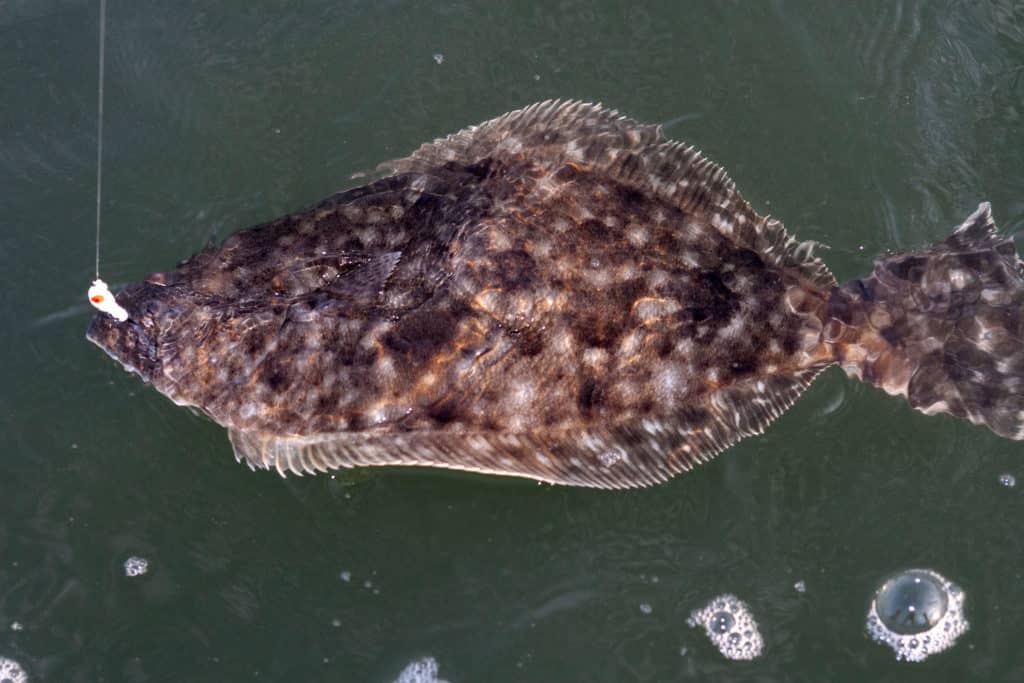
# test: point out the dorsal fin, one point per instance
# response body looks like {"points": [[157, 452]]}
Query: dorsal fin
{"points": [[557, 132], [636, 454], [978, 231]]}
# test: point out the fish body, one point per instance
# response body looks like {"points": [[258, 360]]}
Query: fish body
{"points": [[562, 294]]}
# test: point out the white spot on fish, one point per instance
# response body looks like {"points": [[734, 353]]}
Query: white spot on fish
{"points": [[735, 326], [573, 150], [630, 343], [637, 235], [670, 383], [612, 457], [595, 357]]}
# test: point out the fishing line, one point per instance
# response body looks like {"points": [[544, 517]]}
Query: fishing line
{"points": [[99, 131], [99, 294]]}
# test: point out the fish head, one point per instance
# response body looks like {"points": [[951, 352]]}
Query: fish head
{"points": [[154, 311]]}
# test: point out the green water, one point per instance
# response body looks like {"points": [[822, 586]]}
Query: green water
{"points": [[866, 126]]}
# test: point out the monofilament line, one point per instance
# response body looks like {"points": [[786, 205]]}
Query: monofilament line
{"points": [[99, 294], [99, 132]]}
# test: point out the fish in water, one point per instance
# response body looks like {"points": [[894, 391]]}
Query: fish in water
{"points": [[563, 294]]}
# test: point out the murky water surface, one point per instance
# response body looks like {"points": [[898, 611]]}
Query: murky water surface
{"points": [[866, 126]]}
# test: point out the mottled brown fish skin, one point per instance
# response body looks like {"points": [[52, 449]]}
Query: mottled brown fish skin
{"points": [[548, 306], [559, 293], [941, 326]]}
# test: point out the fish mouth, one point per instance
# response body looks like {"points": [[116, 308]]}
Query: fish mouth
{"points": [[128, 343]]}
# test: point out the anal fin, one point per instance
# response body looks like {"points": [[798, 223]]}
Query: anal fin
{"points": [[633, 454]]}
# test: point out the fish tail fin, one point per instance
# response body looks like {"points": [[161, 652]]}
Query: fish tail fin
{"points": [[942, 326]]}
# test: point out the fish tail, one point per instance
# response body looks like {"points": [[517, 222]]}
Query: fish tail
{"points": [[942, 326]]}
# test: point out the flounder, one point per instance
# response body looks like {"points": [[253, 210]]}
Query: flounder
{"points": [[563, 294]]}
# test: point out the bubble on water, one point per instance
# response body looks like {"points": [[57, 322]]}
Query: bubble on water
{"points": [[345, 576], [646, 608], [800, 586], [438, 58], [1007, 480], [11, 671], [420, 671], [721, 622], [136, 566], [917, 613], [911, 603], [730, 626]]}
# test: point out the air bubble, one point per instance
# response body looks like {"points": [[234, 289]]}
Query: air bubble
{"points": [[11, 671], [730, 626], [800, 586], [1007, 480], [646, 608], [721, 622], [911, 603], [917, 613], [136, 566]]}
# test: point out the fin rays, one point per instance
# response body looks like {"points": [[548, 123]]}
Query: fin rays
{"points": [[638, 454], [557, 132], [950, 319]]}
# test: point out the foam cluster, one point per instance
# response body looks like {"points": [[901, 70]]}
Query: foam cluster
{"points": [[11, 672], [136, 566], [420, 671], [730, 626], [917, 613]]}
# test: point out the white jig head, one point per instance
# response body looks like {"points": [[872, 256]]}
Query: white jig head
{"points": [[101, 298]]}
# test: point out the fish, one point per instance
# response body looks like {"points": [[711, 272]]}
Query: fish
{"points": [[562, 294]]}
